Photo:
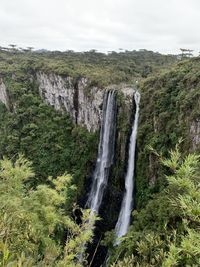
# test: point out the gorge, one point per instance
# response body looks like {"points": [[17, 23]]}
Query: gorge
{"points": [[81, 119]]}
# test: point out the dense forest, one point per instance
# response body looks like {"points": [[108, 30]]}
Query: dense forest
{"points": [[47, 159]]}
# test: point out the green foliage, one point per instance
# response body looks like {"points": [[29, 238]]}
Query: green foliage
{"points": [[169, 107], [101, 69], [166, 232], [33, 221], [46, 137]]}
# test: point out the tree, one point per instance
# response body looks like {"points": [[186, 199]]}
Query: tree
{"points": [[33, 222], [186, 53], [30, 48], [13, 48]]}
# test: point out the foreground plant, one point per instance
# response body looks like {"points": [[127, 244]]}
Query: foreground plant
{"points": [[36, 228]]}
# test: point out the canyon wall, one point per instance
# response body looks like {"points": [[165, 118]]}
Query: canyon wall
{"points": [[4, 94], [83, 103]]}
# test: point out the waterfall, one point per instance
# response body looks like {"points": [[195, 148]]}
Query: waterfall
{"points": [[104, 160], [127, 203], [105, 152]]}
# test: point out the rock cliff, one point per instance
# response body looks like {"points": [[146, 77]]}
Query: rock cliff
{"points": [[4, 95], [195, 134], [83, 103]]}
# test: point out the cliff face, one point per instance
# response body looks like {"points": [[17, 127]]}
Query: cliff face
{"points": [[4, 95], [62, 93], [83, 104], [195, 134]]}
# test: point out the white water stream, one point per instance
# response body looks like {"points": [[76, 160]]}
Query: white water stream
{"points": [[105, 152], [127, 203]]}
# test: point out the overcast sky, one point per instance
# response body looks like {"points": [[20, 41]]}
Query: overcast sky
{"points": [[158, 25]]}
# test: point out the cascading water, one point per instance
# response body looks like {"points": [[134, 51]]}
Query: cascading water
{"points": [[127, 203], [105, 152], [104, 159]]}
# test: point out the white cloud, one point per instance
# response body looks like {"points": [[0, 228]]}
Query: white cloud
{"points": [[158, 25]]}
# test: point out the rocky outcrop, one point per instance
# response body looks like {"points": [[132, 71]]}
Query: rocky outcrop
{"points": [[4, 95], [195, 134], [62, 93], [84, 104]]}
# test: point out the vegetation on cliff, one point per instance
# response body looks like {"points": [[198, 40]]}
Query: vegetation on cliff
{"points": [[46, 137], [169, 109]]}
